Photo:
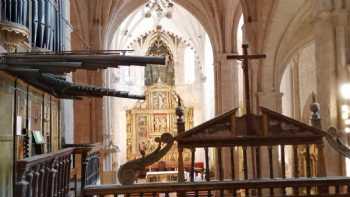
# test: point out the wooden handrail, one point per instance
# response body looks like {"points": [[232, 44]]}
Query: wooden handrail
{"points": [[37, 159], [215, 185], [89, 170], [44, 175], [49, 174]]}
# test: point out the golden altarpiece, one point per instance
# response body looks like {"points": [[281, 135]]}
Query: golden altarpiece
{"points": [[156, 114], [153, 117]]}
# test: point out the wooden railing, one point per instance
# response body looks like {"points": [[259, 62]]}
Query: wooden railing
{"points": [[50, 174], [44, 175], [88, 172], [260, 187], [254, 155]]}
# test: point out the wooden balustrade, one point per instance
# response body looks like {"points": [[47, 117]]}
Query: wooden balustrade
{"points": [[227, 188], [44, 175], [88, 172], [273, 156], [50, 174]]}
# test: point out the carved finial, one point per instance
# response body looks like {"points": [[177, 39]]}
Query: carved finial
{"points": [[315, 112], [179, 108], [315, 106], [180, 115]]}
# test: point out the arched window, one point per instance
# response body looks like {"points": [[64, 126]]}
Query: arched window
{"points": [[189, 64]]}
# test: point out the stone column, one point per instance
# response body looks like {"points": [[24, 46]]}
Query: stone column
{"points": [[296, 108], [273, 101], [226, 86], [331, 38], [226, 97]]}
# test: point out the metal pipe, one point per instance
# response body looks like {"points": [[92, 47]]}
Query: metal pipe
{"points": [[98, 59], [48, 64]]}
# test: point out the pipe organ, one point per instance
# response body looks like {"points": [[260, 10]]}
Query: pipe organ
{"points": [[43, 18]]}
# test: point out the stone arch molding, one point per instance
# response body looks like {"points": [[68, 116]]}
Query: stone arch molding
{"points": [[209, 14], [171, 39], [285, 41]]}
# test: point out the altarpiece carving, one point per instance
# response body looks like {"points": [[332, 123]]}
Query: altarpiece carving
{"points": [[153, 117], [156, 114], [155, 73]]}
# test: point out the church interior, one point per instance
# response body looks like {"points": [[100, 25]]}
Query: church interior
{"points": [[168, 98]]}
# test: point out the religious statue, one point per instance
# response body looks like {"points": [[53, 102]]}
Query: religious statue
{"points": [[159, 73], [142, 149]]}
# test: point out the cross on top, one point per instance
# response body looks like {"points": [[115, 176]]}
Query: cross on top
{"points": [[245, 64]]}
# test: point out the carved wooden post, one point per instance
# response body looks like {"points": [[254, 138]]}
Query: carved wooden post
{"points": [[316, 122], [180, 129], [84, 164], [52, 176], [21, 184], [42, 175], [36, 176]]}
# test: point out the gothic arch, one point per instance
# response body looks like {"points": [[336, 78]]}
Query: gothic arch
{"points": [[205, 12], [168, 37], [297, 36], [131, 6], [291, 33]]}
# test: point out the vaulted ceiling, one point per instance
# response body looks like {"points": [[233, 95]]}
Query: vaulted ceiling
{"points": [[97, 22], [271, 26]]}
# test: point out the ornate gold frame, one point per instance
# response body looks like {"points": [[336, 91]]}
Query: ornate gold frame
{"points": [[153, 117]]}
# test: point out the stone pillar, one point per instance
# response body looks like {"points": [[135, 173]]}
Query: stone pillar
{"points": [[226, 86], [296, 108], [273, 101], [226, 96], [331, 39]]}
